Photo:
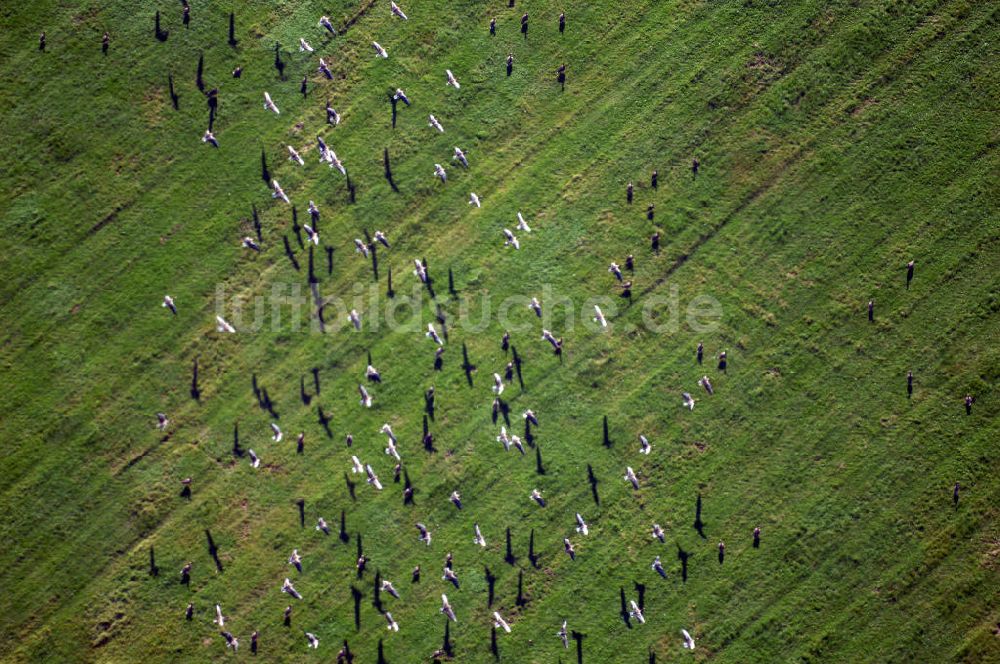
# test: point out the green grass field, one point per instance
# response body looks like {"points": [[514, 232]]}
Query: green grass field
{"points": [[837, 142]]}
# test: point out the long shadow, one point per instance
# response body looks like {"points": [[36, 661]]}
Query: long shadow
{"points": [[296, 228], [161, 34], [195, 392], [350, 486], [388, 167], [232, 30], [237, 450], [641, 589], [623, 612], [493, 643], [388, 290], [174, 97], [683, 556], [312, 267], [531, 549], [265, 174], [467, 366], [699, 525], [539, 468], [490, 582], [579, 637], [315, 373], [377, 591], [344, 536], [429, 403], [213, 550], [607, 438], [529, 437], [408, 489], [301, 504], [509, 556], [329, 260], [428, 438], [256, 222], [593, 484], [447, 646], [198, 80], [451, 283], [324, 421], [381, 654], [520, 601], [303, 395], [290, 253], [356, 595], [517, 366], [153, 569], [279, 64], [393, 101]]}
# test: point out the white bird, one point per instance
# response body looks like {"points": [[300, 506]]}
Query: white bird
{"points": [[546, 335], [223, 326], [324, 21], [497, 384], [568, 546], [581, 525], [358, 467], [392, 627], [209, 137], [295, 156], [536, 306], [425, 535], [401, 96], [391, 450], [433, 122], [636, 612], [373, 478], [522, 225], [379, 51], [510, 240], [324, 69], [504, 438], [536, 496], [498, 621], [382, 239], [250, 244], [530, 416], [516, 442], [450, 576], [387, 430], [311, 232], [331, 113], [615, 270], [361, 247], [254, 459], [474, 200], [355, 319], [658, 567], [478, 539], [658, 533], [161, 421], [295, 559], [707, 384], [331, 157], [433, 334], [396, 10], [688, 641], [366, 399], [287, 587], [313, 641], [220, 619], [599, 316], [452, 81], [646, 448], [231, 641], [688, 400], [277, 432], [269, 105], [278, 191], [630, 476], [563, 634], [456, 499], [321, 526], [372, 374], [420, 270], [439, 172], [389, 588], [304, 45], [460, 156], [168, 302], [446, 608]]}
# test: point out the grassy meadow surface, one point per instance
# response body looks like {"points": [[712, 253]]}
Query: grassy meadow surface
{"points": [[837, 142]]}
